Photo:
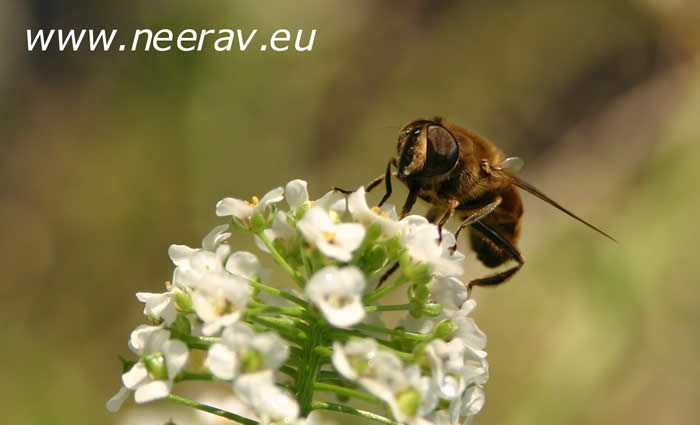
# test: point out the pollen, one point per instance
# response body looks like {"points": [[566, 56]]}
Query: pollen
{"points": [[329, 236], [378, 211], [253, 201]]}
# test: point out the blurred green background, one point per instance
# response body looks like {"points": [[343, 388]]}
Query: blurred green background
{"points": [[107, 158]]}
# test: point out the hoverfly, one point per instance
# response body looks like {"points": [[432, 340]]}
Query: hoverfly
{"points": [[459, 172]]}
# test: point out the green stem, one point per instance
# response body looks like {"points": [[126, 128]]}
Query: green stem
{"points": [[259, 308], [198, 342], [321, 405], [397, 307], [385, 345], [348, 392], [298, 278], [309, 371], [211, 409], [283, 327], [200, 376], [274, 291], [305, 261], [399, 333], [374, 296], [323, 351]]}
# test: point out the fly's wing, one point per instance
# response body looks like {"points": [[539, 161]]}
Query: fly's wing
{"points": [[512, 165]]}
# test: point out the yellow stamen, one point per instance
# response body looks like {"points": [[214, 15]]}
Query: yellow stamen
{"points": [[329, 236]]}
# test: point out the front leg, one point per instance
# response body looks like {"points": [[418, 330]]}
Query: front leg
{"points": [[387, 181], [386, 177], [452, 204], [410, 201]]}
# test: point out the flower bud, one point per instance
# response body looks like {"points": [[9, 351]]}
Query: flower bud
{"points": [[182, 326], [252, 362], [409, 401], [183, 301], [257, 223], [373, 232], [374, 258], [301, 210], [393, 246], [155, 365], [444, 329], [432, 310], [418, 293]]}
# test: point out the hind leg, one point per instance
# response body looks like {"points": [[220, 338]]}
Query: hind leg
{"points": [[500, 242]]}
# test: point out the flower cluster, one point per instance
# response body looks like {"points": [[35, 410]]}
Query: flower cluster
{"points": [[282, 346]]}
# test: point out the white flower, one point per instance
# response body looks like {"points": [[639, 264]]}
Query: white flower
{"points": [[153, 342], [354, 353], [420, 238], [385, 216], [243, 351], [244, 210], [455, 366], [159, 306], [219, 292], [338, 294], [296, 194], [337, 241], [468, 405], [408, 394], [269, 401]]}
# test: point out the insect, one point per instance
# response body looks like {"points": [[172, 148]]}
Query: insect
{"points": [[458, 172]]}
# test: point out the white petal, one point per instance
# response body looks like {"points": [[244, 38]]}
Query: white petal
{"points": [[215, 237], [273, 348], [180, 254], [244, 264], [449, 292], [135, 376], [115, 403], [332, 201], [222, 362], [341, 362], [260, 391], [334, 251], [156, 342], [234, 207], [349, 235], [213, 327], [176, 354], [356, 348], [337, 293], [473, 401], [272, 197], [155, 390], [357, 202], [159, 306], [296, 193], [139, 338]]}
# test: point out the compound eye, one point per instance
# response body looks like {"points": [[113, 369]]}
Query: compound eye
{"points": [[442, 152]]}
